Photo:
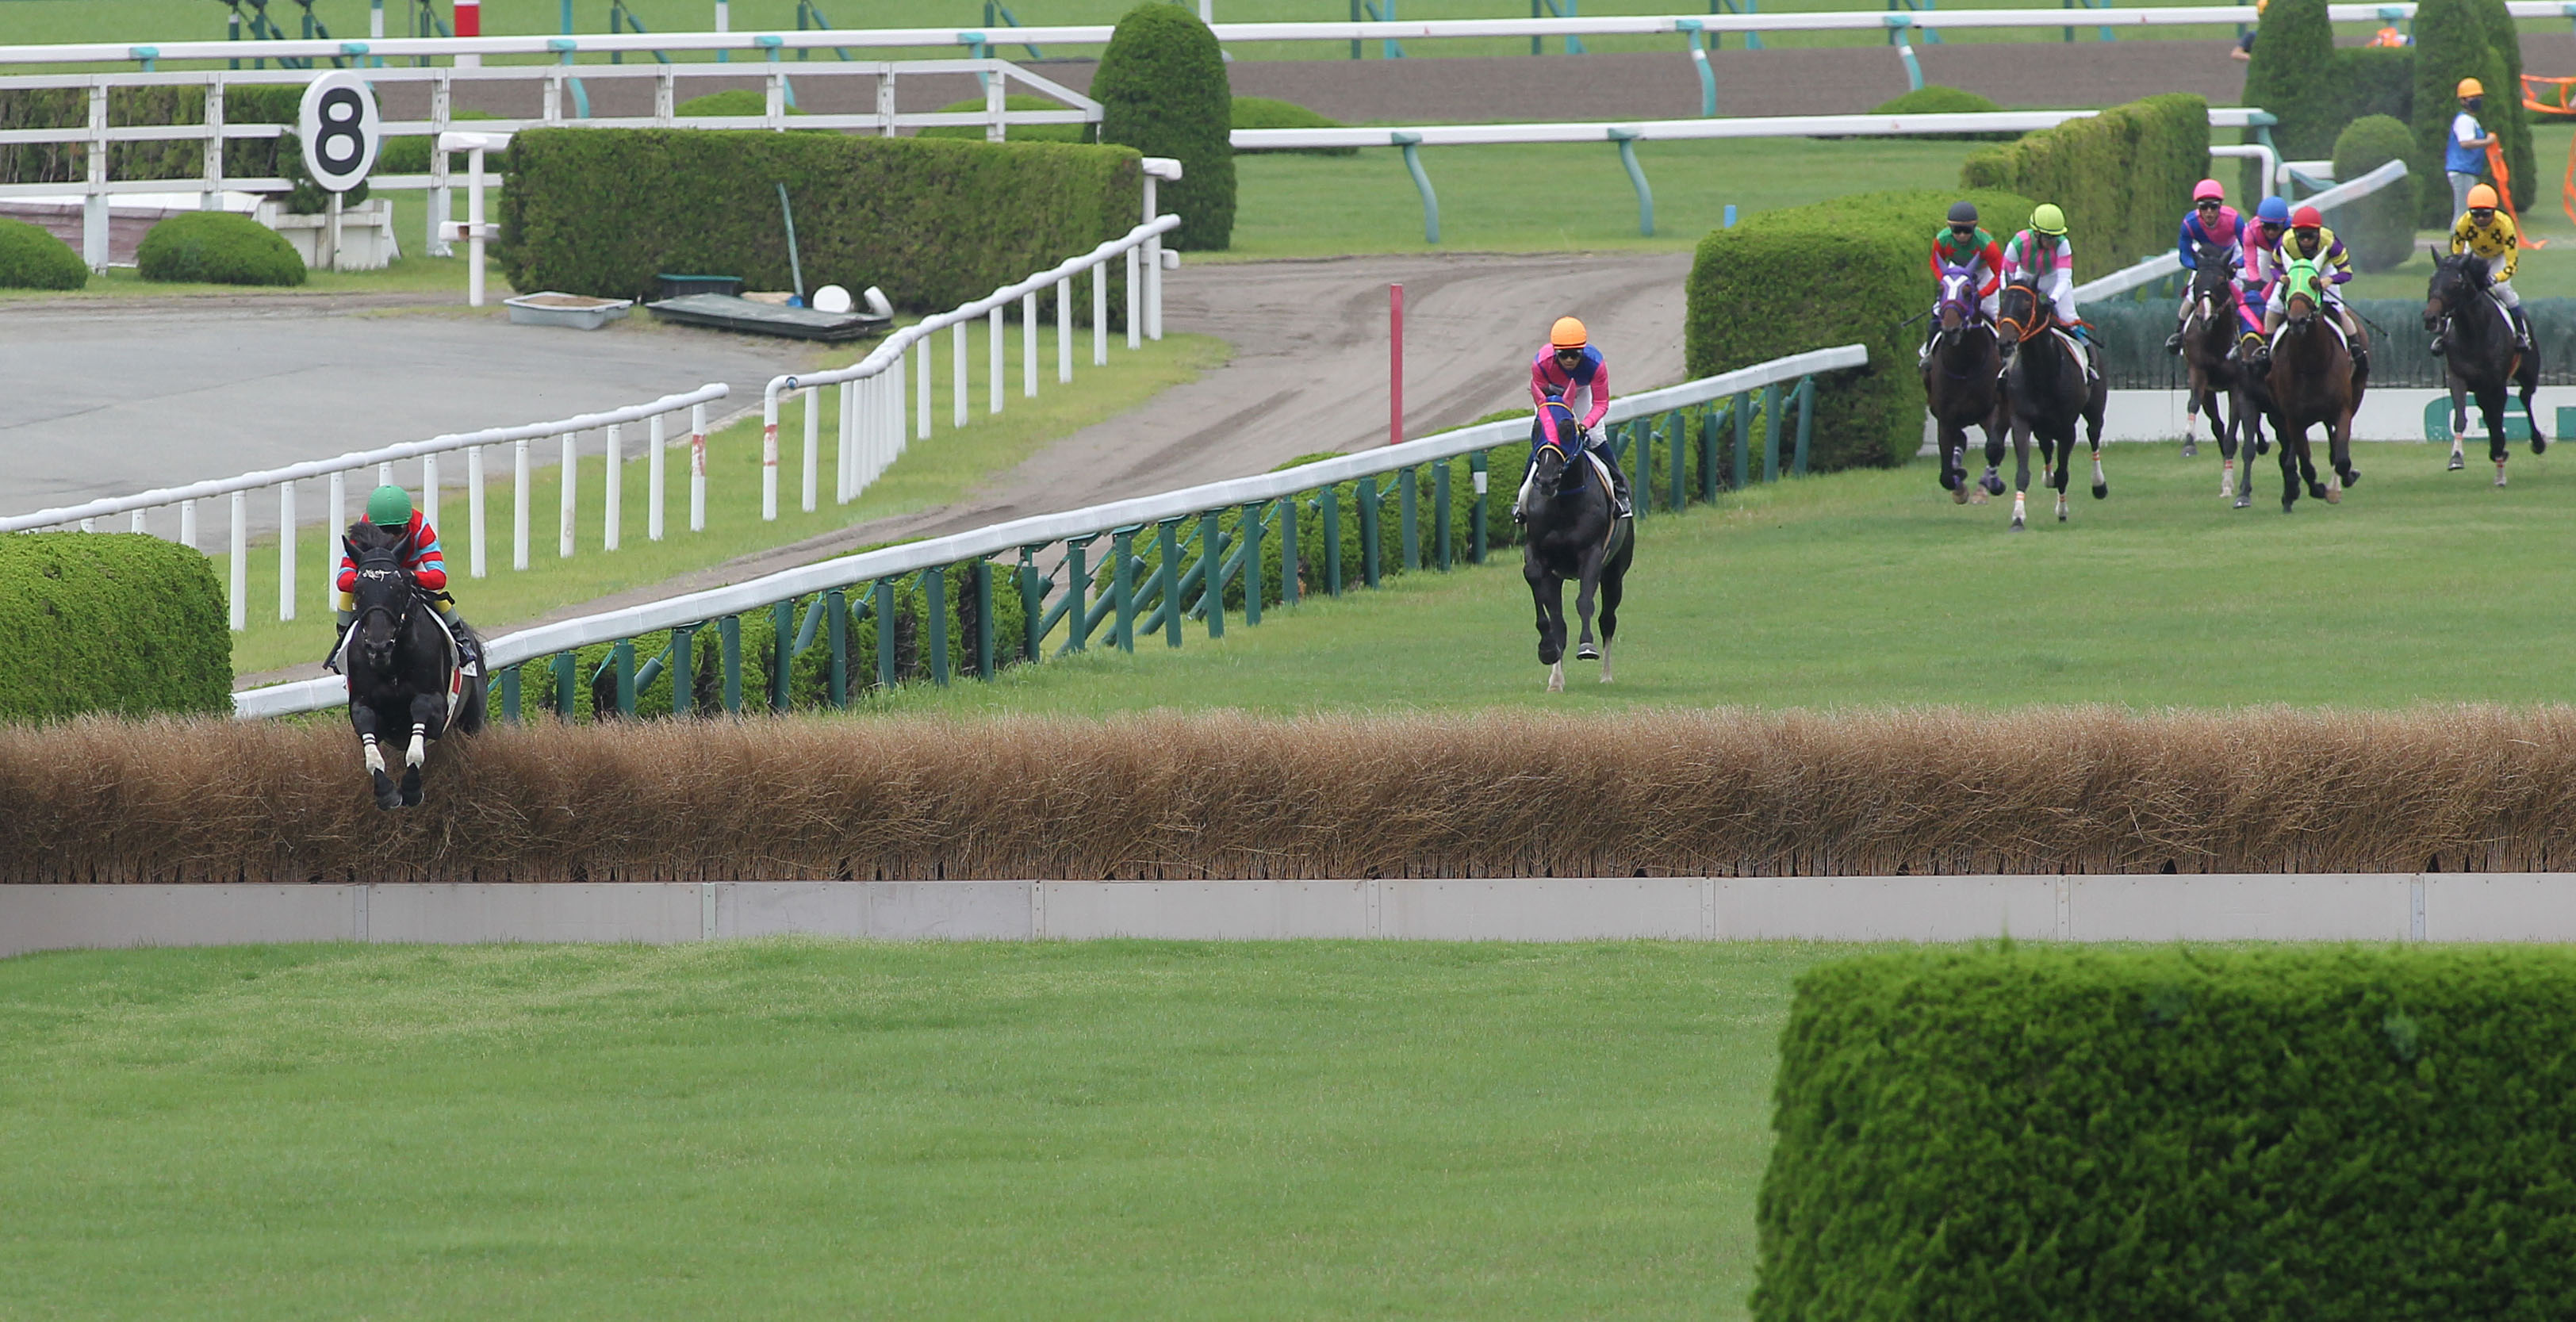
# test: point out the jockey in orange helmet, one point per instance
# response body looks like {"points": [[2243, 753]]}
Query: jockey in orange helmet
{"points": [[1569, 366]]}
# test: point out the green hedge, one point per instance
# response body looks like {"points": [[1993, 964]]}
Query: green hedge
{"points": [[2380, 228], [2274, 1132], [2453, 40], [68, 107], [1803, 278], [2512, 121], [1938, 100], [217, 247], [934, 223], [32, 258], [1263, 112], [2123, 177], [109, 622], [2292, 75], [1162, 90]]}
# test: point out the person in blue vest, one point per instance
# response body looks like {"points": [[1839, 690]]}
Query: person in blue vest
{"points": [[2464, 153]]}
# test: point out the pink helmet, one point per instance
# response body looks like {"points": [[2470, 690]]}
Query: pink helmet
{"points": [[2208, 190]]}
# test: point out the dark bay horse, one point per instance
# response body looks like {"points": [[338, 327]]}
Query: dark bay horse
{"points": [[1959, 384], [2483, 358], [2209, 334], [2047, 390], [2313, 382], [405, 680], [1571, 535]]}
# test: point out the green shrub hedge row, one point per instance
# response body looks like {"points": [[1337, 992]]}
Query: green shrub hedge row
{"points": [[1853, 268], [109, 622], [1162, 90], [2380, 228], [934, 223], [2123, 177], [1013, 132], [1262, 112], [2273, 1132], [68, 107], [32, 258], [217, 247], [2456, 39]]}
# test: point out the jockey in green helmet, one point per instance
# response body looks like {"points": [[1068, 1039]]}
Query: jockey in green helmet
{"points": [[389, 507]]}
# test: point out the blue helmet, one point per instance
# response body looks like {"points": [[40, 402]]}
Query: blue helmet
{"points": [[2274, 211]]}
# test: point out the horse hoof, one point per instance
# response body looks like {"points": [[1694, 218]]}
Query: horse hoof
{"points": [[2539, 443], [2263, 446], [2351, 478], [2457, 461], [1959, 494], [2245, 501], [2101, 490], [411, 787], [1587, 652], [1993, 483], [2190, 450], [2334, 495], [1949, 480], [2016, 525], [2317, 490]]}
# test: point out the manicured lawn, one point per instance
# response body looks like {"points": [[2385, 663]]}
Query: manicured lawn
{"points": [[1871, 589], [801, 1129]]}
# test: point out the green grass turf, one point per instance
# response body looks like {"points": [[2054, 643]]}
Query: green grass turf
{"points": [[930, 473], [801, 1129], [1871, 589]]}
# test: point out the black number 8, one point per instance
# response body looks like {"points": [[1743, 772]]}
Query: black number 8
{"points": [[342, 144]]}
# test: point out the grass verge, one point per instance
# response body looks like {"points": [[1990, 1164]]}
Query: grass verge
{"points": [[790, 1128]]}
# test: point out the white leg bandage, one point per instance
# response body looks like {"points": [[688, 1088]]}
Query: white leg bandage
{"points": [[419, 750]]}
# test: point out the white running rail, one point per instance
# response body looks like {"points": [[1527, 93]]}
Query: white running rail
{"points": [[696, 607], [1749, 126], [335, 472]]}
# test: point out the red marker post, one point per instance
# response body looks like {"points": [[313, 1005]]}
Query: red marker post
{"points": [[469, 23], [1395, 365]]}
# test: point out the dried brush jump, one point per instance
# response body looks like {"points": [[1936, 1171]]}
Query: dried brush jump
{"points": [[1219, 796]]}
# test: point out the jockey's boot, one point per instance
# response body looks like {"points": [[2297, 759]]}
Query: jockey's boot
{"points": [[2521, 330], [339, 635], [467, 641], [2173, 342], [1620, 504]]}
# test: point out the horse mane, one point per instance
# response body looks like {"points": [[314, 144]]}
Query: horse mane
{"points": [[365, 536]]}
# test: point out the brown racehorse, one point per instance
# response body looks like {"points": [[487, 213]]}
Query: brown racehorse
{"points": [[2047, 390], [2209, 333], [1960, 384], [2313, 382]]}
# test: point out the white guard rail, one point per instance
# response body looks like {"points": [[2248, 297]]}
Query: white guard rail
{"points": [[336, 509], [871, 434], [2164, 264], [1652, 130], [770, 45], [547, 639]]}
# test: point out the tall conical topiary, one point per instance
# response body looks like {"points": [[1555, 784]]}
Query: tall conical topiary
{"points": [[1162, 90], [2504, 113], [2293, 61], [2451, 44]]}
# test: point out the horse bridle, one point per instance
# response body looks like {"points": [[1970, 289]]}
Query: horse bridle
{"points": [[2038, 323], [385, 565]]}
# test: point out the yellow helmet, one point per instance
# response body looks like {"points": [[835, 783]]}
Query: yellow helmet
{"points": [[1567, 333], [2482, 198], [2047, 219], [2472, 87]]}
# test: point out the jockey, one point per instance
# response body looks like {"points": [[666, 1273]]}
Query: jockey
{"points": [[2262, 267], [2310, 240], [2042, 251], [2214, 224], [389, 507], [2486, 234], [1964, 243], [1567, 367]]}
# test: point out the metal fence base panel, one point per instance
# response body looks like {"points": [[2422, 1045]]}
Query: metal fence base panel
{"points": [[1541, 909], [884, 910], [2512, 906], [468, 913], [1885, 908], [95, 917], [1205, 910]]}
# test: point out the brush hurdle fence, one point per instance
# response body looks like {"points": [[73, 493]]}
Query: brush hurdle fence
{"points": [[1681, 445]]}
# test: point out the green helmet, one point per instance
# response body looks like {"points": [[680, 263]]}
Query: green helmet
{"points": [[2047, 219], [389, 506]]}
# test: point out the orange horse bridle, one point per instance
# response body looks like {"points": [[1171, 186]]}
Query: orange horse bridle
{"points": [[2012, 324]]}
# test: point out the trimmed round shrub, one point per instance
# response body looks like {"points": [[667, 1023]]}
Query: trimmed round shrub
{"points": [[2380, 228], [1162, 90], [218, 247], [32, 258], [1263, 112], [732, 101], [1010, 133], [1938, 100]]}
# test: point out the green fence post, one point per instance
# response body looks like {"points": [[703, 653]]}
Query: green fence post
{"points": [[1806, 421], [1288, 507], [1369, 514], [1122, 584], [934, 596], [1077, 580], [1676, 443], [1032, 605], [684, 673], [782, 651], [1743, 411], [1635, 448], [1709, 421], [510, 694], [836, 619], [1212, 571], [1256, 580], [1771, 432], [984, 667], [567, 686], [1408, 514], [1332, 541], [729, 644], [1479, 475], [882, 591], [624, 651], [1440, 519], [1167, 549]]}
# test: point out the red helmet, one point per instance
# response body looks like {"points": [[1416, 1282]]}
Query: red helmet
{"points": [[2306, 218]]}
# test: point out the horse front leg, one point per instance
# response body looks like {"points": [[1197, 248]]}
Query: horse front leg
{"points": [[2291, 443], [2339, 455], [2529, 381], [428, 713], [2459, 423], [362, 718], [1954, 461], [2492, 409], [1587, 586], [2021, 473], [1998, 427], [1547, 595]]}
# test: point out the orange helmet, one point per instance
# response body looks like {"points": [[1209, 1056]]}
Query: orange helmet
{"points": [[2482, 197], [2472, 87], [1567, 333]]}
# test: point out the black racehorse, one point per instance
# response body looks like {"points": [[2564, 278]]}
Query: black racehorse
{"points": [[406, 680], [1959, 383], [1571, 535], [2209, 335], [2314, 382], [2483, 356], [2047, 390]]}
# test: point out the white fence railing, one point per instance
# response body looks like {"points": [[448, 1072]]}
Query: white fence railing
{"points": [[548, 639], [563, 99], [872, 410], [2164, 264], [335, 472]]}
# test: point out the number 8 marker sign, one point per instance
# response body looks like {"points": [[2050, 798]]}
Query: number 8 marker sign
{"points": [[340, 128]]}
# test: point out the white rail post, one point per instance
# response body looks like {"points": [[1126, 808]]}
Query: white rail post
{"points": [[188, 524], [442, 196], [1064, 331], [210, 196], [1135, 308], [845, 460], [519, 510], [616, 514], [135, 523], [1028, 346], [336, 520], [429, 489], [957, 373], [993, 369], [697, 468], [1100, 313], [94, 200], [385, 474], [812, 474], [473, 227], [286, 550], [474, 557], [655, 483], [570, 472], [923, 389], [769, 457], [240, 576]]}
